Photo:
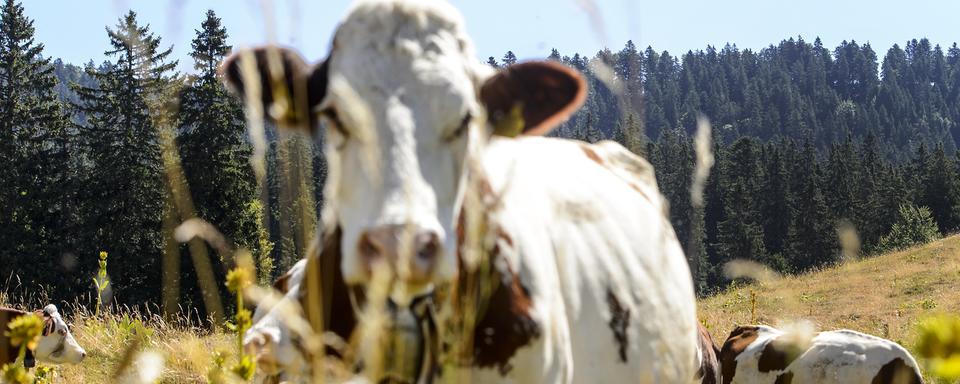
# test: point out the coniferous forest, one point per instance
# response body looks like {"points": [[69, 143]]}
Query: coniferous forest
{"points": [[808, 140]]}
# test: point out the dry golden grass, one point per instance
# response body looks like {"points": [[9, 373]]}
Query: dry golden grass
{"points": [[187, 352], [885, 295]]}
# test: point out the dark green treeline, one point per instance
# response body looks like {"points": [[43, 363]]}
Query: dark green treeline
{"points": [[807, 141]]}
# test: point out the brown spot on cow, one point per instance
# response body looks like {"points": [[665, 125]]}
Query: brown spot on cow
{"points": [[736, 343], [778, 354], [619, 321], [896, 372], [784, 378], [504, 322], [709, 371], [591, 154], [506, 325]]}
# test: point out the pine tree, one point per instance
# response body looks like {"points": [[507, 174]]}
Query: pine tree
{"points": [[775, 197], [842, 179], [740, 235], [509, 59], [126, 196], [492, 62], [811, 238], [939, 190], [628, 70], [35, 200], [215, 153], [554, 55]]}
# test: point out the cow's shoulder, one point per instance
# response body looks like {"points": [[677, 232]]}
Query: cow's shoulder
{"points": [[737, 342]]}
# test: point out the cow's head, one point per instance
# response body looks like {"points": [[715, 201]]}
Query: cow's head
{"points": [[404, 100], [57, 344]]}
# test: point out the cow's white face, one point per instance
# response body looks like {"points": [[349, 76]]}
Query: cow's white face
{"points": [[401, 103], [57, 344], [405, 99]]}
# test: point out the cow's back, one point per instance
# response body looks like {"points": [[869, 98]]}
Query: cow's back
{"points": [[846, 356], [609, 282], [761, 354]]}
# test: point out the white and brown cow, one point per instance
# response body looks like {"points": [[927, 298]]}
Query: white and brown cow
{"points": [[762, 354], [586, 283], [56, 344]]}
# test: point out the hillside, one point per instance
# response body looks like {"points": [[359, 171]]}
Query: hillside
{"points": [[884, 295]]}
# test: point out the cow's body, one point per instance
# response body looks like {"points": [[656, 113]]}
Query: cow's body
{"points": [[56, 343], [589, 242], [589, 282], [761, 354]]}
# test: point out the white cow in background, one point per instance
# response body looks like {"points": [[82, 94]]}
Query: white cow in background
{"points": [[56, 344], [588, 282], [761, 354]]}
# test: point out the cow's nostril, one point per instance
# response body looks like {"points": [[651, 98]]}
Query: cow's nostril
{"points": [[428, 245], [368, 247]]}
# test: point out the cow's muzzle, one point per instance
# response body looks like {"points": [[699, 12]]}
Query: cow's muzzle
{"points": [[411, 253]]}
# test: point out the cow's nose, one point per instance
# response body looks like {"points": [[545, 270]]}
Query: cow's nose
{"points": [[411, 253]]}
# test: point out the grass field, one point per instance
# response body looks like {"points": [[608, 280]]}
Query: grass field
{"points": [[884, 296]]}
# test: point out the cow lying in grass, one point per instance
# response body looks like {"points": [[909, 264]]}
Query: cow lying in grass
{"points": [[555, 257], [761, 354], [56, 344]]}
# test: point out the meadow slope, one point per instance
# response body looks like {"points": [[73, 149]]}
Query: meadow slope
{"points": [[884, 295]]}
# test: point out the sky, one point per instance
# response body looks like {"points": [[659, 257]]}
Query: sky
{"points": [[74, 30]]}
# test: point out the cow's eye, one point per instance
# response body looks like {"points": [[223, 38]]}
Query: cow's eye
{"points": [[461, 129]]}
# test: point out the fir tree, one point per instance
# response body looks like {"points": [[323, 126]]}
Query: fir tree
{"points": [[509, 59], [740, 235], [126, 192], [36, 197], [215, 153], [811, 237]]}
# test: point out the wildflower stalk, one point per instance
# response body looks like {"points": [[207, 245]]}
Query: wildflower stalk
{"points": [[239, 279], [101, 282]]}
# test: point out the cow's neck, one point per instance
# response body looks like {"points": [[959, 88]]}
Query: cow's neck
{"points": [[490, 298]]}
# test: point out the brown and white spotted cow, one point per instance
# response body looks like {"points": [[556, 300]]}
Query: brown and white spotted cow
{"points": [[587, 280], [56, 344], [762, 354], [709, 371]]}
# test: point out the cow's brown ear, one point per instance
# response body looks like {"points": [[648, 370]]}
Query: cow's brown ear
{"points": [[47, 325], [532, 98], [288, 87]]}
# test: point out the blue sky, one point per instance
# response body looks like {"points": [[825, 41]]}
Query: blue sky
{"points": [[74, 29]]}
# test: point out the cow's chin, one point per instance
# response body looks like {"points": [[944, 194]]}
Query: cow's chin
{"points": [[409, 337]]}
